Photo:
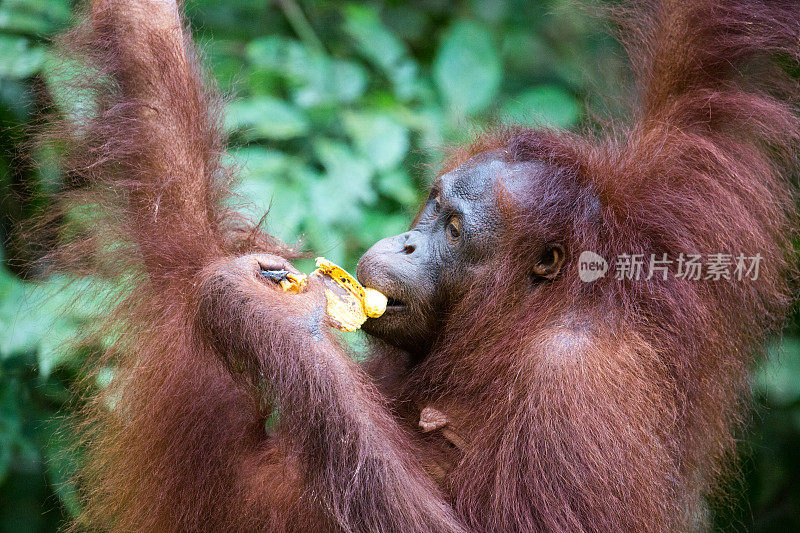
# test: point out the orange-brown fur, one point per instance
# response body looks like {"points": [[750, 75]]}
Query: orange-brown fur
{"points": [[600, 407]]}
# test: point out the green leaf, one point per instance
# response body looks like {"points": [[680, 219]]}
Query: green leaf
{"points": [[779, 376], [223, 56], [15, 95], [265, 118], [467, 68], [267, 52], [56, 347], [12, 21], [46, 317], [272, 420], [346, 184], [62, 464], [19, 332], [491, 11], [397, 186], [266, 186], [546, 104], [75, 102], [261, 163], [314, 77], [378, 225], [379, 138], [348, 80], [288, 58], [405, 79], [326, 81], [375, 41], [34, 17], [104, 377], [18, 59], [326, 238]]}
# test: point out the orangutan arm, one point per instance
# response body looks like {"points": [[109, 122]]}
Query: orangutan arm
{"points": [[191, 451], [354, 457]]}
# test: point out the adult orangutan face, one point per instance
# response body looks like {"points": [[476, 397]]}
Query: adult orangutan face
{"points": [[426, 269]]}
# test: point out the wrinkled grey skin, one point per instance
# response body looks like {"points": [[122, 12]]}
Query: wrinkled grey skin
{"points": [[424, 270]]}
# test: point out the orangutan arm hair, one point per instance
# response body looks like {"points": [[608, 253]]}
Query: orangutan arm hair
{"points": [[195, 453], [155, 138], [625, 422], [354, 457]]}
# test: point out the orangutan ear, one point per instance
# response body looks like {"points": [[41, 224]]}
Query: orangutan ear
{"points": [[549, 263]]}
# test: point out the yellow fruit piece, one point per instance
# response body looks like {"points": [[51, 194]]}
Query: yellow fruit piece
{"points": [[349, 304], [341, 277], [294, 282], [374, 303], [344, 311]]}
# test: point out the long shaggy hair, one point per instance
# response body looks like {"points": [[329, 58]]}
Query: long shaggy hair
{"points": [[601, 406], [621, 397]]}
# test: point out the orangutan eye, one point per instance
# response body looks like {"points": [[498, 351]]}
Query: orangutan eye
{"points": [[454, 228]]}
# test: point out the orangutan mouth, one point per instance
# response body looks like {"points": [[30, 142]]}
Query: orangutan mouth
{"points": [[393, 304]]}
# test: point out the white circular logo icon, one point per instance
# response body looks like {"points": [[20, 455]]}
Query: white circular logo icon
{"points": [[591, 266]]}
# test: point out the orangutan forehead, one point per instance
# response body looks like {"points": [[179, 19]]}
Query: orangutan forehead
{"points": [[480, 176], [470, 182]]}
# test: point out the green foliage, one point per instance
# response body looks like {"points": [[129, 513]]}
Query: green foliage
{"points": [[467, 67], [36, 369], [262, 117], [546, 105], [768, 499], [337, 112], [18, 59]]}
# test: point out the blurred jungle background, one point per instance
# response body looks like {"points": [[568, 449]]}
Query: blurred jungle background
{"points": [[337, 114]]}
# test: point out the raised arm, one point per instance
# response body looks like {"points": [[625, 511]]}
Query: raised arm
{"points": [[178, 441], [155, 137]]}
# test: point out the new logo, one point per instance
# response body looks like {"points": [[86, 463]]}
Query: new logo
{"points": [[591, 266]]}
